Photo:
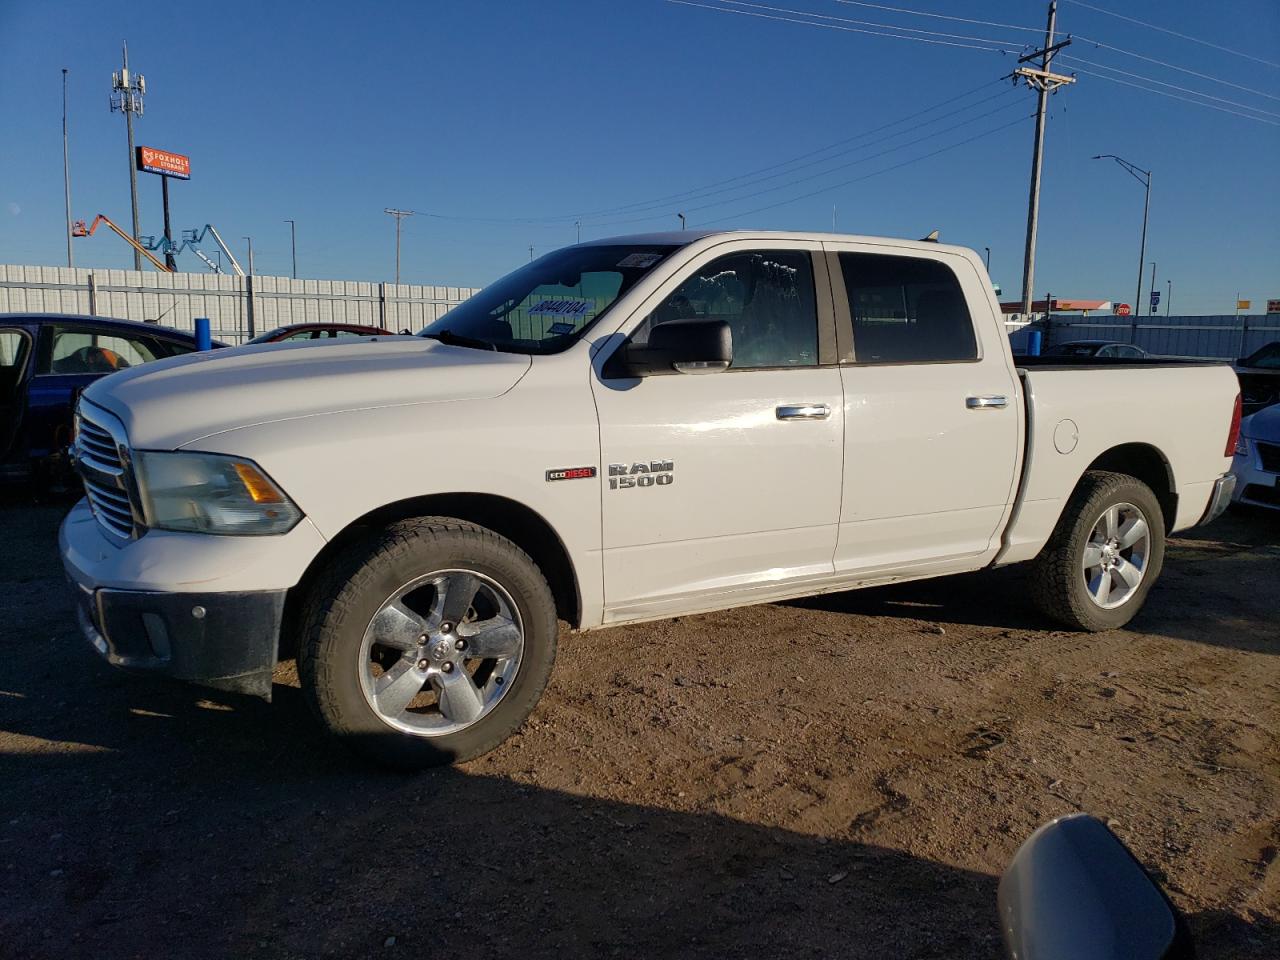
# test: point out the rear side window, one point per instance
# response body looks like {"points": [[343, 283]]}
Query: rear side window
{"points": [[906, 310]]}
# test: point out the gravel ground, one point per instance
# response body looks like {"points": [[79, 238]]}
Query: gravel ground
{"points": [[837, 777]]}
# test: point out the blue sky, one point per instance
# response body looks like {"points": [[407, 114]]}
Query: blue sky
{"points": [[327, 113]]}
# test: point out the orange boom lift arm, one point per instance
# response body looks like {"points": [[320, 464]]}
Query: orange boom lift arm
{"points": [[79, 230]]}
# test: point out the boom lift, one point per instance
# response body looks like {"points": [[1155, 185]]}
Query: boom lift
{"points": [[79, 230]]}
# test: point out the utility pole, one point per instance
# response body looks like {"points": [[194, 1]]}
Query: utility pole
{"points": [[127, 93], [293, 246], [66, 166], [399, 215], [1044, 83], [250, 239]]}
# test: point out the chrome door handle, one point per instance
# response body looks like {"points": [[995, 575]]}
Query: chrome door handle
{"points": [[803, 411], [984, 403]]}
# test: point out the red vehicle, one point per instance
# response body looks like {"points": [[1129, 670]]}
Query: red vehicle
{"points": [[319, 331]]}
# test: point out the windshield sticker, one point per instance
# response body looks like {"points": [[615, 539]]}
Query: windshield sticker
{"points": [[561, 327], [639, 260], [561, 308]]}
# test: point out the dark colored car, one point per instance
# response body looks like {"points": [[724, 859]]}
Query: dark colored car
{"points": [[1259, 375], [46, 359], [318, 331], [1097, 348]]}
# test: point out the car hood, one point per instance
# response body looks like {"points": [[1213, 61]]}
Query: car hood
{"points": [[169, 403], [1263, 425]]}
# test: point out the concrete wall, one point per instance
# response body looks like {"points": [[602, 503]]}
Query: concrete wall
{"points": [[176, 299]]}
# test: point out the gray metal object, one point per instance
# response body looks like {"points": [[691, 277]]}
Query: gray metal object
{"points": [[1115, 555], [441, 652], [1074, 892]]}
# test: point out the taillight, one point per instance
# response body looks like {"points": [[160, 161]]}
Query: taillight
{"points": [[1233, 435]]}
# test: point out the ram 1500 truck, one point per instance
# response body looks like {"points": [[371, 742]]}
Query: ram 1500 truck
{"points": [[620, 431]]}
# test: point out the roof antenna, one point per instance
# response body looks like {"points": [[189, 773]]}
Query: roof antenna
{"points": [[931, 238]]}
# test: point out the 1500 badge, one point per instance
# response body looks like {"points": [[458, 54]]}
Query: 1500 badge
{"points": [[655, 473]]}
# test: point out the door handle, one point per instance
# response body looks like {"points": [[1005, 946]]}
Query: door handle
{"points": [[803, 411], [985, 403]]}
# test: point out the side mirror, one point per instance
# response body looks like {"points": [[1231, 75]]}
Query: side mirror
{"points": [[1074, 891], [677, 346]]}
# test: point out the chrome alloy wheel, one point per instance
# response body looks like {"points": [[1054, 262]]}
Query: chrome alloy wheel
{"points": [[1115, 555], [441, 652]]}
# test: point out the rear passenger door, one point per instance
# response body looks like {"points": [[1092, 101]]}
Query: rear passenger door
{"points": [[931, 420]]}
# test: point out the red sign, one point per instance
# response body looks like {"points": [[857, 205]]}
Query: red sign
{"points": [[1122, 310], [151, 160]]}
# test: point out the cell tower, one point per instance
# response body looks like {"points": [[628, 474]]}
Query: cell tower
{"points": [[127, 91]]}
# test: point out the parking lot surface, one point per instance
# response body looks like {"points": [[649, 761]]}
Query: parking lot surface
{"points": [[844, 776]]}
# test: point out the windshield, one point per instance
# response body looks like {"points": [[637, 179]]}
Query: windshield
{"points": [[548, 304], [1073, 350], [1268, 358]]}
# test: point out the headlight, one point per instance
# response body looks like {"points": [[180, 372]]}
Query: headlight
{"points": [[1242, 446], [208, 493]]}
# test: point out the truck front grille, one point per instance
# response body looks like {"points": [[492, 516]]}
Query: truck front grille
{"points": [[101, 455], [1269, 454]]}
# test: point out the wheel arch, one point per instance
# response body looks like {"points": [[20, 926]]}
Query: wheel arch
{"points": [[1143, 462], [520, 524]]}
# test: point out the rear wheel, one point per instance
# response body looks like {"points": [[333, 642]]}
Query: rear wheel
{"points": [[1104, 556], [429, 643]]}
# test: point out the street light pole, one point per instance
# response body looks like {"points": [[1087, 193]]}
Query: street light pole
{"points": [[1151, 307], [293, 246], [1144, 178], [681, 216], [988, 249], [66, 166]]}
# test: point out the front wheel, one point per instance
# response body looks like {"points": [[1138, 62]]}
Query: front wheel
{"points": [[1104, 556], [428, 643]]}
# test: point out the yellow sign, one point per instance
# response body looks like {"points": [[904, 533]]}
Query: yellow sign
{"points": [[1244, 304]]}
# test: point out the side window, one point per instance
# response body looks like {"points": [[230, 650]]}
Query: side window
{"points": [[1130, 353], [72, 349], [767, 298], [906, 310], [14, 346], [176, 348], [1106, 352], [301, 335], [349, 333]]}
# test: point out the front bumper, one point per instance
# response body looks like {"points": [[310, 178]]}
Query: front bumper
{"points": [[224, 638], [1256, 487], [1220, 498]]}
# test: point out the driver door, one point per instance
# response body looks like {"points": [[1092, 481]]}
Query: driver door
{"points": [[725, 487]]}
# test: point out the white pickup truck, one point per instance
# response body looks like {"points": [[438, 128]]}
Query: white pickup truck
{"points": [[620, 431]]}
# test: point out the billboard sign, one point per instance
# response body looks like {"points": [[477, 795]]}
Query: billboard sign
{"points": [[166, 164]]}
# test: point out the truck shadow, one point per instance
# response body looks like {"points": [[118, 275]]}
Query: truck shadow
{"points": [[227, 827], [1214, 589]]}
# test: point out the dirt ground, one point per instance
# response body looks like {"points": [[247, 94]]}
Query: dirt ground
{"points": [[838, 777]]}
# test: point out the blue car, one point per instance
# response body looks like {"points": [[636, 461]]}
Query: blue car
{"points": [[46, 359]]}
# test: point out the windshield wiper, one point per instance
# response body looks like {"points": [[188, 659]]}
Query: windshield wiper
{"points": [[458, 340]]}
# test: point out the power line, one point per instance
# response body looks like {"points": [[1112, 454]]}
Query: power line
{"points": [[1174, 33], [1174, 66], [866, 23], [709, 188], [939, 16], [816, 176], [1171, 86], [875, 173], [1174, 96], [834, 26]]}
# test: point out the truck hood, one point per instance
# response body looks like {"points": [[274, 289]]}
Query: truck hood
{"points": [[169, 403]]}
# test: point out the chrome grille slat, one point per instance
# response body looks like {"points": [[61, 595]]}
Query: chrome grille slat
{"points": [[106, 477]]}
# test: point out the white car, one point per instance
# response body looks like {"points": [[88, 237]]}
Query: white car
{"points": [[620, 431], [1257, 460]]}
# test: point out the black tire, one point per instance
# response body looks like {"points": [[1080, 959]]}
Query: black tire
{"points": [[343, 600], [1057, 582]]}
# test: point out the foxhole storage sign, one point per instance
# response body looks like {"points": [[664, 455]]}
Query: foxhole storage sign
{"points": [[163, 162]]}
